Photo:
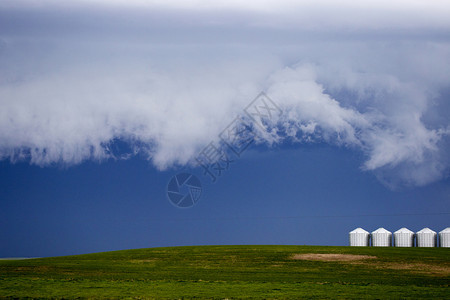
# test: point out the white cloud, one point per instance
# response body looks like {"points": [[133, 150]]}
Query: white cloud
{"points": [[71, 85], [317, 15]]}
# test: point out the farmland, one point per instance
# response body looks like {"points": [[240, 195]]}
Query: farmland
{"points": [[234, 272]]}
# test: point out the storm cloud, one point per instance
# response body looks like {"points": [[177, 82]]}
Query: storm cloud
{"points": [[167, 77]]}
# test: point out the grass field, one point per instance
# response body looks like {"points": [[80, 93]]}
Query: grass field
{"points": [[234, 272]]}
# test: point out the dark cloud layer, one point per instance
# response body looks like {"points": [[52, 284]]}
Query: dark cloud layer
{"points": [[168, 78]]}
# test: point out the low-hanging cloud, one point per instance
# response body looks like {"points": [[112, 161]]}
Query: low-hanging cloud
{"points": [[169, 89]]}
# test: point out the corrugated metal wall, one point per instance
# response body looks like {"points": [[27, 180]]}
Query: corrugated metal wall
{"points": [[444, 238], [381, 238], [426, 238], [359, 237], [404, 238]]}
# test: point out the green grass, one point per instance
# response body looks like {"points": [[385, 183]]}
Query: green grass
{"points": [[231, 272]]}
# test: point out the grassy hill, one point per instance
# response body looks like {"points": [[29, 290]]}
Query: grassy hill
{"points": [[234, 272]]}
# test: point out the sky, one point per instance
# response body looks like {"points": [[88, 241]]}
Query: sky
{"points": [[342, 111]]}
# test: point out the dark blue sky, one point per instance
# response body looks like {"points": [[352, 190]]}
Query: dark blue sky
{"points": [[103, 102], [311, 195]]}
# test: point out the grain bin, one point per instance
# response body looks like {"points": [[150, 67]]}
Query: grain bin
{"points": [[359, 237], [404, 238], [426, 238], [381, 238], [444, 238]]}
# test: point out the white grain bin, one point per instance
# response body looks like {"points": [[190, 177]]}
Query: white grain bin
{"points": [[444, 238], [404, 238], [381, 238], [359, 237], [426, 238]]}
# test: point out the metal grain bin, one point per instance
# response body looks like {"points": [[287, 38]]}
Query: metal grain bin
{"points": [[426, 238], [381, 238], [359, 237], [444, 238], [404, 238]]}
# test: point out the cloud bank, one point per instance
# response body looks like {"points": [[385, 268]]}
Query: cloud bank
{"points": [[167, 78]]}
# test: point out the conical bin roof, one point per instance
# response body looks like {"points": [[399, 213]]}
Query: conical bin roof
{"points": [[446, 230], [381, 230], [404, 230], [426, 230], [359, 230]]}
